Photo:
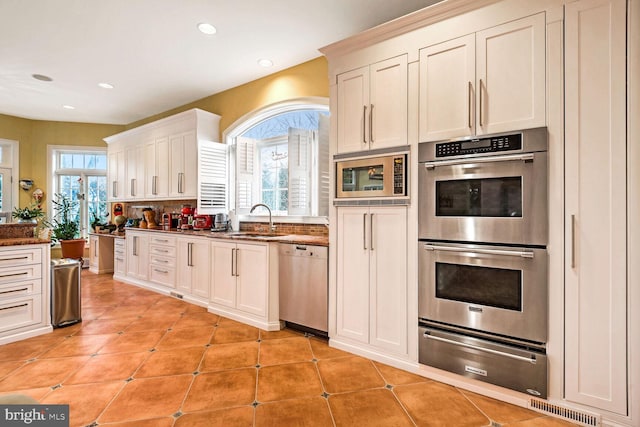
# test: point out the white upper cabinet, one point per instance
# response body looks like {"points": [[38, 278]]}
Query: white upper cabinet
{"points": [[372, 106], [596, 282], [159, 160], [488, 82]]}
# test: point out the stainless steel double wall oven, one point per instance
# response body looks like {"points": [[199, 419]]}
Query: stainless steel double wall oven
{"points": [[483, 259]]}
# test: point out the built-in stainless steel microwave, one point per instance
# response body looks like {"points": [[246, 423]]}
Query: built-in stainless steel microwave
{"points": [[369, 177]]}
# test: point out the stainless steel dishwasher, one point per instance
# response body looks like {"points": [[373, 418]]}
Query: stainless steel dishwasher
{"points": [[304, 287]]}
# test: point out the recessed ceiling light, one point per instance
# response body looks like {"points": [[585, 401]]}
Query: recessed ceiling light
{"points": [[265, 63], [105, 85], [206, 28], [42, 77], [69, 107]]}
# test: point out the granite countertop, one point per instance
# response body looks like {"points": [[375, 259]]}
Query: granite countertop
{"points": [[14, 234], [300, 239]]}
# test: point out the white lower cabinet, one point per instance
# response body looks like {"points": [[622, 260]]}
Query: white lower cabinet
{"points": [[244, 283], [193, 266], [24, 292], [119, 258], [371, 257], [162, 260], [101, 254], [137, 255]]}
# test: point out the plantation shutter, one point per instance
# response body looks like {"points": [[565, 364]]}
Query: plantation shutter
{"points": [[300, 145], [246, 164], [323, 167], [213, 178]]}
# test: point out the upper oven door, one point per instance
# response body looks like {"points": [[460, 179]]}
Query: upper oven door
{"points": [[492, 199], [500, 290]]}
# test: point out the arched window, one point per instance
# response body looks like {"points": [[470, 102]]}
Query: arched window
{"points": [[280, 157]]}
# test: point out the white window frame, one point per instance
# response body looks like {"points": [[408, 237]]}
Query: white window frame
{"points": [[53, 153], [253, 118]]}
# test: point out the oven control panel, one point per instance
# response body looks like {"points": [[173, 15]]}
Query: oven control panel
{"points": [[480, 145]]}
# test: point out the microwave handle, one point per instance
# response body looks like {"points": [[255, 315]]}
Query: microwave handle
{"points": [[528, 157], [523, 254]]}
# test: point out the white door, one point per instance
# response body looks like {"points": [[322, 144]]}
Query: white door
{"points": [[137, 247], [388, 103], [596, 210], [353, 110], [510, 72], [447, 89], [353, 273], [200, 265], [6, 205], [388, 278], [252, 275], [223, 283]]}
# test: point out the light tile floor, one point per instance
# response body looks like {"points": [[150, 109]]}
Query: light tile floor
{"points": [[142, 359]]}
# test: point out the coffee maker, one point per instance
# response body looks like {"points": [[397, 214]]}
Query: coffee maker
{"points": [[186, 217]]}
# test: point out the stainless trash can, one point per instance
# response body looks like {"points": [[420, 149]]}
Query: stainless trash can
{"points": [[65, 292]]}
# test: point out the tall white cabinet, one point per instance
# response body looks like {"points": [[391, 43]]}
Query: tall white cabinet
{"points": [[371, 283], [596, 312]]}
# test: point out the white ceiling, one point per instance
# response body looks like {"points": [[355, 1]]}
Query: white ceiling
{"points": [[153, 54]]}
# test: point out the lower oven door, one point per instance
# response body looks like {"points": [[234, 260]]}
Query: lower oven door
{"points": [[494, 289], [504, 365]]}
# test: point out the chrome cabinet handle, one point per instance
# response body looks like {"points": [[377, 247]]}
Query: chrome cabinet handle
{"points": [[481, 100], [14, 258], [237, 256], [114, 191], [189, 254], [14, 306], [154, 185], [180, 182], [132, 190], [135, 245], [371, 124], [522, 254], [15, 290], [528, 157], [573, 241], [13, 275], [486, 350], [371, 230], [160, 271], [233, 251], [364, 124], [469, 118], [364, 231]]}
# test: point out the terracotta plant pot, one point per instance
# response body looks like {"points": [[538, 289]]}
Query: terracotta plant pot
{"points": [[72, 248]]}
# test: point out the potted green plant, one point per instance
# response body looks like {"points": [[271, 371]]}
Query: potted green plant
{"points": [[31, 214], [97, 222], [65, 227]]}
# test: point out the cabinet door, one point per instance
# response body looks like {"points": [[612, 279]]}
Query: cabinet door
{"points": [[388, 278], [353, 110], [353, 273], [93, 251], [447, 89], [134, 183], [223, 283], [137, 256], [510, 68], [388, 103], [183, 167], [596, 176], [117, 175], [156, 159], [252, 275], [193, 267]]}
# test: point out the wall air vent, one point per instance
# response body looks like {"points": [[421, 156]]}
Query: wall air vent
{"points": [[572, 415]]}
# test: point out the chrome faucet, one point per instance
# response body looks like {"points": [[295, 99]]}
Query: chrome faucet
{"points": [[272, 227]]}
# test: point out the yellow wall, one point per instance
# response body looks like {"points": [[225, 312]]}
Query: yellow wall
{"points": [[304, 80]]}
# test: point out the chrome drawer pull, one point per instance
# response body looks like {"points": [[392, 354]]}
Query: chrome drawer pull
{"points": [[24, 273], [160, 271], [14, 306], [15, 290], [475, 347], [14, 259]]}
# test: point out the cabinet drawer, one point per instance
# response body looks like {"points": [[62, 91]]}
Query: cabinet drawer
{"points": [[23, 288], [19, 312], [19, 273], [162, 240], [118, 244], [162, 275], [162, 261], [17, 257], [166, 251]]}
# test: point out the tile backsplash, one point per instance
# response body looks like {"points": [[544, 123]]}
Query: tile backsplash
{"points": [[287, 228]]}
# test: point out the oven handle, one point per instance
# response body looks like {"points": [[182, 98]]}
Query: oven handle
{"points": [[523, 254], [475, 347], [490, 159]]}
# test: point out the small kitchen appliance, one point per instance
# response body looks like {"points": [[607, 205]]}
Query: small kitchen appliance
{"points": [[186, 218], [221, 222], [202, 222]]}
